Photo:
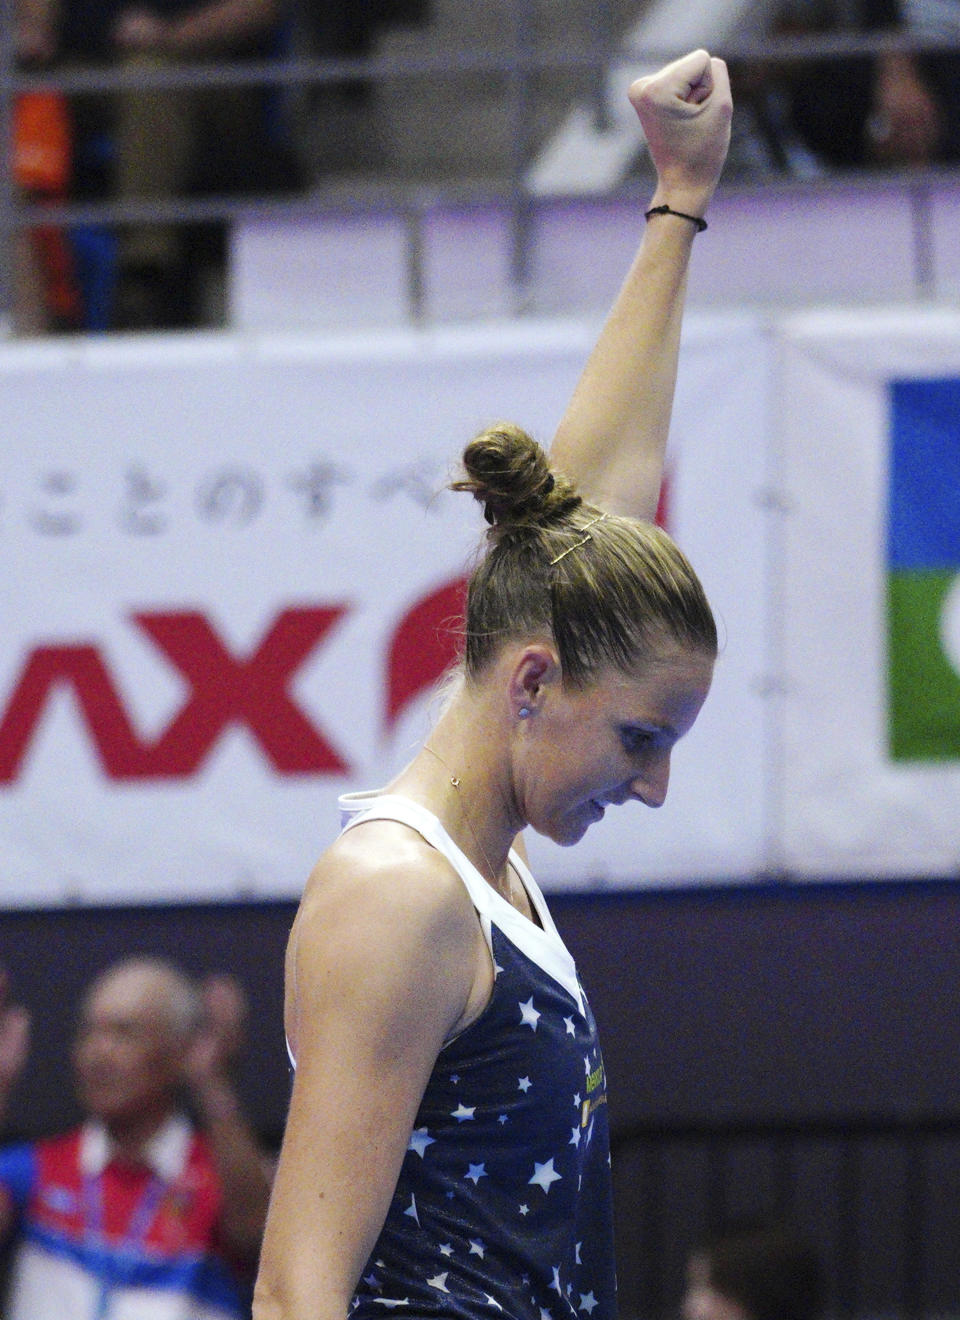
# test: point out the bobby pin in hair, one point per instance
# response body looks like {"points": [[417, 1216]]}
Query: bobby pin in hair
{"points": [[583, 539]]}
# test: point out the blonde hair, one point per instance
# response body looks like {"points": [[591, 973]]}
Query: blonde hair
{"points": [[608, 590]]}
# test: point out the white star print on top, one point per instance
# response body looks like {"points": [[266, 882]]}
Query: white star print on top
{"points": [[529, 1015], [419, 1141], [511, 1210]]}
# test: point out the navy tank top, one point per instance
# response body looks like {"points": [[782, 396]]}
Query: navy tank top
{"points": [[503, 1203]]}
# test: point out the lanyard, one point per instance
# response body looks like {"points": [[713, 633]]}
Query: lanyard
{"points": [[141, 1218]]}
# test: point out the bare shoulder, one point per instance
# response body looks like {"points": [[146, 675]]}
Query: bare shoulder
{"points": [[384, 871], [384, 910]]}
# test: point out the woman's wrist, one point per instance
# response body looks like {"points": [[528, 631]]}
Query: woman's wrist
{"points": [[687, 200], [665, 211]]}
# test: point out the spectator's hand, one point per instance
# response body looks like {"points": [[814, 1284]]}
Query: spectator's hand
{"points": [[216, 1046], [35, 41], [139, 31], [904, 126], [14, 1040], [685, 111]]}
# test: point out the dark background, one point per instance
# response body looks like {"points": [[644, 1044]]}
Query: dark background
{"points": [[727, 1015]]}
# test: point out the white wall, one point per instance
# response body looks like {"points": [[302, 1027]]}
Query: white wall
{"points": [[851, 242]]}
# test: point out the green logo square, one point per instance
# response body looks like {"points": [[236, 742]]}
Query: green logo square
{"points": [[923, 633]]}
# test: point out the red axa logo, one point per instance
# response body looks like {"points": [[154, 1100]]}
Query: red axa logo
{"points": [[224, 690], [252, 691]]}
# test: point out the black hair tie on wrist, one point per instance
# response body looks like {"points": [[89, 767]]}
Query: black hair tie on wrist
{"points": [[697, 220]]}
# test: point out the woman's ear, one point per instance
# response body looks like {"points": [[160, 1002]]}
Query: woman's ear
{"points": [[535, 668]]}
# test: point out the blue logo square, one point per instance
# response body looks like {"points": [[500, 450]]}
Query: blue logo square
{"points": [[924, 526]]}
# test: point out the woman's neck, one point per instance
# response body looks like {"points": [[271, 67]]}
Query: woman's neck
{"points": [[461, 774]]}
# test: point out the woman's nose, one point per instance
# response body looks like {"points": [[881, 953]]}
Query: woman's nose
{"points": [[651, 786]]}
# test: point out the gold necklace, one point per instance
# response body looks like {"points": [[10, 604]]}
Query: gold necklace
{"points": [[455, 783]]}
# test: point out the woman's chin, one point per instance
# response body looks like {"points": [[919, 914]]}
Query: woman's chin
{"points": [[570, 830]]}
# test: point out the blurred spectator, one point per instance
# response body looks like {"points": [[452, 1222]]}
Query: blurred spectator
{"points": [[895, 108], [753, 1272], [349, 31], [154, 144], [137, 1212], [45, 291], [339, 127]]}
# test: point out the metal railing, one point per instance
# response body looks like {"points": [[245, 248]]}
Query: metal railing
{"points": [[520, 61]]}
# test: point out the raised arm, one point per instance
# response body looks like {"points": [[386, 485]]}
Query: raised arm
{"points": [[242, 1166], [613, 435], [378, 973]]}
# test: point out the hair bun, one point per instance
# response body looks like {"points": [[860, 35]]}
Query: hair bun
{"points": [[508, 472]]}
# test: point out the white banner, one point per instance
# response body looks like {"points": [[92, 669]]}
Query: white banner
{"points": [[224, 564], [869, 767]]}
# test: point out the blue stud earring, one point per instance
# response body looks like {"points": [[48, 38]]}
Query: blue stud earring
{"points": [[524, 712]]}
